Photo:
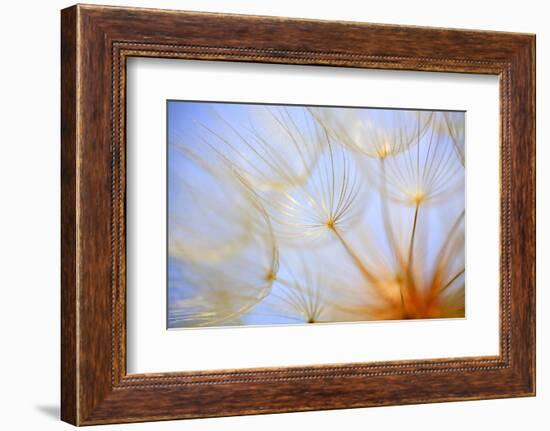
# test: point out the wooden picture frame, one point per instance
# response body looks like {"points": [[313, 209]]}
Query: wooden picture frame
{"points": [[95, 43]]}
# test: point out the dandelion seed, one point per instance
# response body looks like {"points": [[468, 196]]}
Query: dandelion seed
{"points": [[274, 148], [428, 172], [299, 294], [332, 197], [221, 246], [454, 125], [377, 133], [208, 226]]}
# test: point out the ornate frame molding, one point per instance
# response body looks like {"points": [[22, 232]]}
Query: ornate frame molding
{"points": [[96, 41]]}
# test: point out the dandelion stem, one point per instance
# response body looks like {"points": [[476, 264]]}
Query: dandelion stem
{"points": [[353, 254], [452, 280], [386, 214], [413, 234], [410, 281]]}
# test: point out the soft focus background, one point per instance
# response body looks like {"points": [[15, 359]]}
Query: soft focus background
{"points": [[29, 217]]}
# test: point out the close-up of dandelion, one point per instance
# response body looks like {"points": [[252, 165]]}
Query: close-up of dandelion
{"points": [[284, 214]]}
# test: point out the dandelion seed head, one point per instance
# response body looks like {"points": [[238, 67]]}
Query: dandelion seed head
{"points": [[299, 181]]}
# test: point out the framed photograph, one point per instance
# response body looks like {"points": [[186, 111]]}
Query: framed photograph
{"points": [[265, 215]]}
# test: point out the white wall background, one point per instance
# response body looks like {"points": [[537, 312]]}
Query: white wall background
{"points": [[29, 215]]}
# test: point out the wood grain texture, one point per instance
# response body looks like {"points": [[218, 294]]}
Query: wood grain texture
{"points": [[68, 218], [96, 41]]}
